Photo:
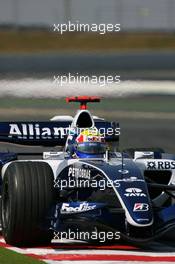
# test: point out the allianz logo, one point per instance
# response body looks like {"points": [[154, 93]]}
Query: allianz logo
{"points": [[35, 131], [134, 192]]}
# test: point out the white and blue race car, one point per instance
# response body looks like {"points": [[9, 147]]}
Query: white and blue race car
{"points": [[88, 187]]}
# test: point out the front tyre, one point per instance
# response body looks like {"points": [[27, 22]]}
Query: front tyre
{"points": [[27, 196]]}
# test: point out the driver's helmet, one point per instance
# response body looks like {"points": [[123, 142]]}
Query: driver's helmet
{"points": [[90, 144]]}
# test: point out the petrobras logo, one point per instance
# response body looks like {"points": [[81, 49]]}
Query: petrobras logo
{"points": [[134, 192], [71, 208], [79, 173], [35, 131], [140, 207]]}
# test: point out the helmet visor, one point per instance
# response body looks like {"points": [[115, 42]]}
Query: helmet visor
{"points": [[92, 147]]}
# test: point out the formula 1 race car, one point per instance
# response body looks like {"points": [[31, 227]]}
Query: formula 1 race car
{"points": [[87, 186]]}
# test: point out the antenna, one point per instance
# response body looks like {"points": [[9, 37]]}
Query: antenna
{"points": [[122, 162]]}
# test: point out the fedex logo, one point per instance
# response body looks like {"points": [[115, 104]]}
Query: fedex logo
{"points": [[141, 207]]}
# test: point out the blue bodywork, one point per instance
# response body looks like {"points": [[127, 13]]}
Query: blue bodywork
{"points": [[142, 219]]}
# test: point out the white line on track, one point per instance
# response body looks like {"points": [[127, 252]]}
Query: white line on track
{"points": [[59, 255], [34, 88]]}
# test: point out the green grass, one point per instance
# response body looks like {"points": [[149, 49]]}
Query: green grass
{"points": [[146, 104], [44, 109], [49, 41], [140, 104], [11, 257]]}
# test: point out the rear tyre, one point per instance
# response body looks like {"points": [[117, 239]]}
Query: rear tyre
{"points": [[27, 196]]}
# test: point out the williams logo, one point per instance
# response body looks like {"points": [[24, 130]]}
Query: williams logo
{"points": [[134, 192]]}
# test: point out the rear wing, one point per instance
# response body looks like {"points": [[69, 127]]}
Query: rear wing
{"points": [[49, 133]]}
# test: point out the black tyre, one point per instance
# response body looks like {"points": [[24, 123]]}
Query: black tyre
{"points": [[27, 196], [131, 151]]}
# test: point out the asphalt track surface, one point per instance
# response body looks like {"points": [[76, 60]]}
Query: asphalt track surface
{"points": [[148, 133], [147, 62]]}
